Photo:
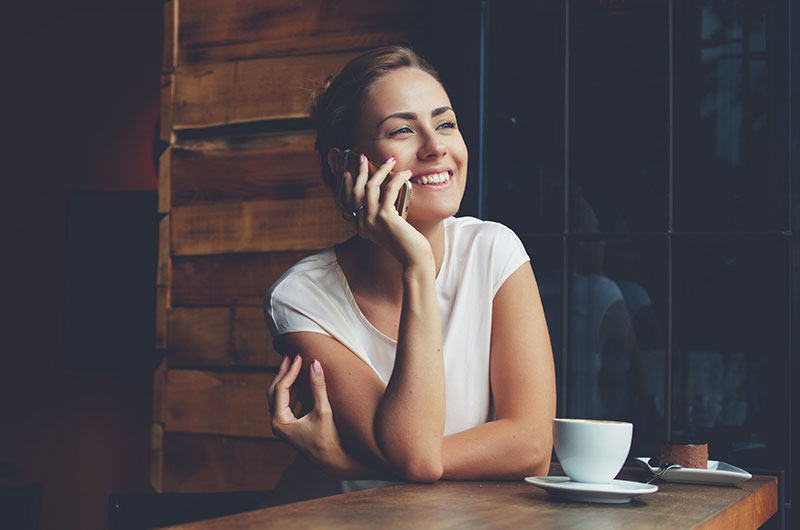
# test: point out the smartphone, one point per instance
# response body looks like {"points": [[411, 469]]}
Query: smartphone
{"points": [[351, 163]]}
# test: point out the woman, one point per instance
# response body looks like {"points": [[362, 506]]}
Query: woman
{"points": [[430, 331]]}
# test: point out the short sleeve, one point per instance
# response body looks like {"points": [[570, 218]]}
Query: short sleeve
{"points": [[284, 312], [508, 254]]}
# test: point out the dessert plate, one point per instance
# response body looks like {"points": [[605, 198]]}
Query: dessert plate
{"points": [[617, 492], [717, 473]]}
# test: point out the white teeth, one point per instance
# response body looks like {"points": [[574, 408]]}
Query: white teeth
{"points": [[435, 178]]}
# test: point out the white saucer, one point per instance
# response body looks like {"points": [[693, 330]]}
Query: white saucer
{"points": [[617, 492], [717, 473]]}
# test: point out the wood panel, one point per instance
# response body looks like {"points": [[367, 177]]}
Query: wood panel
{"points": [[260, 89], [258, 226], [228, 279], [165, 120], [164, 181], [163, 266], [159, 390], [157, 457], [210, 31], [224, 403], [162, 305], [265, 166], [169, 50], [197, 464], [220, 336]]}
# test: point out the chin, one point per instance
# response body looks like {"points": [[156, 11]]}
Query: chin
{"points": [[427, 215]]}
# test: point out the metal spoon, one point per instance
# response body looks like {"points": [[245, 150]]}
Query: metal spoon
{"points": [[666, 466]]}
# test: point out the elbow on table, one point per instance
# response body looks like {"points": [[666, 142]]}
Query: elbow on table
{"points": [[426, 470], [528, 460]]}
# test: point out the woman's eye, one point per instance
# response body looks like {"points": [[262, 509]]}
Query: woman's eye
{"points": [[448, 125], [401, 130]]}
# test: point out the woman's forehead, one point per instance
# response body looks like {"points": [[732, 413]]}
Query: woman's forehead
{"points": [[405, 90]]}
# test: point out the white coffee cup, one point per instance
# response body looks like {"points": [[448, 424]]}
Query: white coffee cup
{"points": [[592, 450]]}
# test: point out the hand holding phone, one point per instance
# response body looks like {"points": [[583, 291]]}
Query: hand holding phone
{"points": [[350, 162]]}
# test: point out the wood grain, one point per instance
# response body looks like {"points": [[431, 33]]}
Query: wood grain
{"points": [[259, 89], [493, 505], [220, 337], [257, 226], [221, 403], [228, 279], [159, 392], [266, 166], [157, 457], [165, 120], [169, 50], [198, 464], [164, 181], [217, 30], [162, 305], [163, 266]]}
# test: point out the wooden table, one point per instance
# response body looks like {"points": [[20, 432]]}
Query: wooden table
{"points": [[468, 505]]}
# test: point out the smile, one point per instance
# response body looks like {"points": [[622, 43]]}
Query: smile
{"points": [[434, 178]]}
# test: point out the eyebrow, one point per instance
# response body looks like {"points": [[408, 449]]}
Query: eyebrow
{"points": [[413, 115]]}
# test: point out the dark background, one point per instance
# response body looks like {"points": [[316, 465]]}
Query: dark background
{"points": [[80, 104], [615, 139]]}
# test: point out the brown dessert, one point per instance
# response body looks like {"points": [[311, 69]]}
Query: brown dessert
{"points": [[694, 455]]}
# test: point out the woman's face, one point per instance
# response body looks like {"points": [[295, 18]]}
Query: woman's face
{"points": [[408, 115]]}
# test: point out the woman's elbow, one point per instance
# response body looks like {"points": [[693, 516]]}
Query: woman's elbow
{"points": [[426, 470], [536, 461]]}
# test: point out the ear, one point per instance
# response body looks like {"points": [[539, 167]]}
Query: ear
{"points": [[335, 160]]}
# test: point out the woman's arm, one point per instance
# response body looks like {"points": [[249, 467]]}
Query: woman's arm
{"points": [[516, 445], [360, 401], [519, 442]]}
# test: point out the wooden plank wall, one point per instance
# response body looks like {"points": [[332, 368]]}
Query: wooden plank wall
{"points": [[242, 199]]}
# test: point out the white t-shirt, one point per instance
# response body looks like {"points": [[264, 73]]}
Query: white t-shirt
{"points": [[314, 296]]}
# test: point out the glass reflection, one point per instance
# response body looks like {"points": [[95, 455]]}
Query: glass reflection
{"points": [[616, 322], [731, 333], [722, 119]]}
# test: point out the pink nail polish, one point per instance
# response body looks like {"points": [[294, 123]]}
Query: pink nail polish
{"points": [[316, 367], [362, 158], [296, 357], [390, 159]]}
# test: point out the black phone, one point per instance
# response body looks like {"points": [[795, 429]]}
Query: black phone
{"points": [[351, 162]]}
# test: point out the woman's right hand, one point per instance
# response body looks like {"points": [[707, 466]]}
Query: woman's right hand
{"points": [[315, 434], [372, 199]]}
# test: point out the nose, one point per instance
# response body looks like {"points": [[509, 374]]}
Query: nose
{"points": [[432, 146]]}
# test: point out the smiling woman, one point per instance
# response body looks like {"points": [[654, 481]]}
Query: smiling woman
{"points": [[436, 356]]}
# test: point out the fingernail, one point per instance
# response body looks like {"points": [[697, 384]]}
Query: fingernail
{"points": [[296, 357], [316, 367], [348, 174], [362, 158], [390, 160]]}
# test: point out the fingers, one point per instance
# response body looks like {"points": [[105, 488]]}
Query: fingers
{"points": [[357, 192], [318, 388], [281, 394], [281, 372], [375, 183], [393, 186]]}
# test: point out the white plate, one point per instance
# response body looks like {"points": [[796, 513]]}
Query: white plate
{"points": [[717, 473], [618, 492]]}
